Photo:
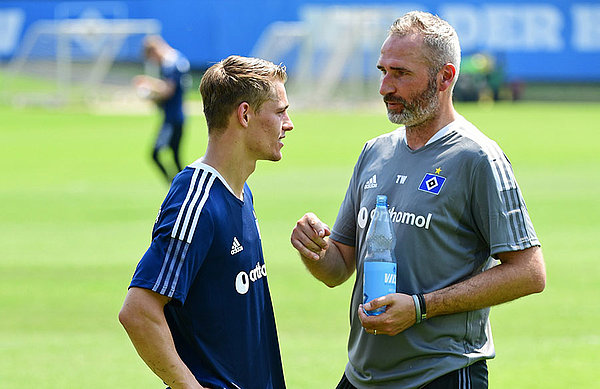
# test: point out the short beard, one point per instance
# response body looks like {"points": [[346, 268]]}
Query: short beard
{"points": [[419, 109]]}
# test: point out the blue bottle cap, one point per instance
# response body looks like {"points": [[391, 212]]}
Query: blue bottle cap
{"points": [[382, 200]]}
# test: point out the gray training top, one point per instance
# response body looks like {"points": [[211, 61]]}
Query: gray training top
{"points": [[454, 204]]}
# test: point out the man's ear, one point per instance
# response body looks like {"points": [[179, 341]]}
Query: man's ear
{"points": [[446, 76], [243, 114]]}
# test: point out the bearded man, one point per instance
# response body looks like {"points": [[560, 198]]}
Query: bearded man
{"points": [[464, 238]]}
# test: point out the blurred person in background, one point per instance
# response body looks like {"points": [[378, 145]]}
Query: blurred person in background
{"points": [[464, 238], [168, 93], [198, 309]]}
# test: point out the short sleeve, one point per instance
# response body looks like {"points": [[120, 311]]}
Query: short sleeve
{"points": [[173, 259], [499, 209]]}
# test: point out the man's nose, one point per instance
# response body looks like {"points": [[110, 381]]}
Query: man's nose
{"points": [[287, 123], [386, 86]]}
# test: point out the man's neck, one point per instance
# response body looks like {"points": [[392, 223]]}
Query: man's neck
{"points": [[418, 136], [232, 165]]}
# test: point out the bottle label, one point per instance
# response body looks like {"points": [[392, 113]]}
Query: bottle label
{"points": [[379, 279]]}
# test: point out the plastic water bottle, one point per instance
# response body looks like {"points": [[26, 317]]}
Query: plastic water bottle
{"points": [[379, 265]]}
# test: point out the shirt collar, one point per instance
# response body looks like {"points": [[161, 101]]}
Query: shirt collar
{"points": [[441, 132]]}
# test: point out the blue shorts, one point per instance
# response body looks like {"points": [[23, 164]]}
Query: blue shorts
{"points": [[169, 135]]}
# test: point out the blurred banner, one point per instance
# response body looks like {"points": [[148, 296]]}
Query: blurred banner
{"points": [[532, 40]]}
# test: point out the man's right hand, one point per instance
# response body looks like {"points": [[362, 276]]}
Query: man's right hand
{"points": [[308, 237]]}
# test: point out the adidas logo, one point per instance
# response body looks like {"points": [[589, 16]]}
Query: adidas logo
{"points": [[236, 247], [371, 183]]}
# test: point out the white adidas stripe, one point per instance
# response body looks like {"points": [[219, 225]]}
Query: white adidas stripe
{"points": [[164, 266], [179, 266], [190, 211], [181, 236], [185, 202], [501, 168], [506, 184], [172, 261], [199, 210]]}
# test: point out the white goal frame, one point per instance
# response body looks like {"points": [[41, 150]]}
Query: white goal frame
{"points": [[108, 36]]}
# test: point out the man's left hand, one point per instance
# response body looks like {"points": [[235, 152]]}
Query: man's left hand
{"points": [[398, 316]]}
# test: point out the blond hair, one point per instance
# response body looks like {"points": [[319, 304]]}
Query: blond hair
{"points": [[234, 80]]}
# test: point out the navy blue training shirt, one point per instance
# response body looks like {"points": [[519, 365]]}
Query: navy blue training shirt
{"points": [[206, 255], [175, 69]]}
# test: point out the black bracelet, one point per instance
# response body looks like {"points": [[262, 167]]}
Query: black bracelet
{"points": [[423, 307]]}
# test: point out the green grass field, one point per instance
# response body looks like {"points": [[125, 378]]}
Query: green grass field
{"points": [[78, 197]]}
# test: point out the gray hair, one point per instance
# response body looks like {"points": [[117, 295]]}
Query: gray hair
{"points": [[440, 38]]}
